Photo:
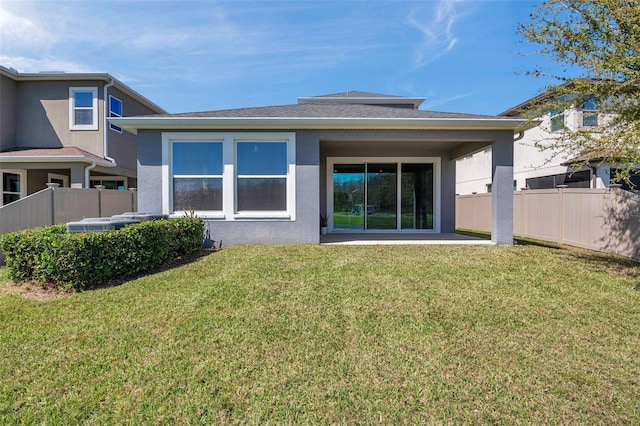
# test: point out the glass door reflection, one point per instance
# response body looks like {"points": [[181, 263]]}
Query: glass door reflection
{"points": [[348, 196]]}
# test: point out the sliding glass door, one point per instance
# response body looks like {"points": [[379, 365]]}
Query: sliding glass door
{"points": [[383, 196]]}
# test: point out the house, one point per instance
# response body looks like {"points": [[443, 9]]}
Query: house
{"points": [[53, 129], [537, 169], [266, 174]]}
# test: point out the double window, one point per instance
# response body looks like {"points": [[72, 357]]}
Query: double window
{"points": [[230, 175], [83, 108]]}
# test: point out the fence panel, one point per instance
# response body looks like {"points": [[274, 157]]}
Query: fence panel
{"points": [[30, 212], [116, 202], [583, 217], [597, 219], [543, 215], [73, 204]]}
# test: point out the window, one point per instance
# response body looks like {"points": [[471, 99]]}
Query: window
{"points": [[230, 176], [197, 176], [83, 108], [115, 110], [581, 179], [262, 176], [557, 120], [590, 112], [61, 180], [109, 182], [13, 186]]}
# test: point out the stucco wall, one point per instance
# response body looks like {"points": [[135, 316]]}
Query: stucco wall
{"points": [[312, 150], [7, 113], [305, 229], [43, 116], [122, 146]]}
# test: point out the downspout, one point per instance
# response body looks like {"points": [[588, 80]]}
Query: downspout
{"points": [[86, 174], [520, 136], [105, 99]]}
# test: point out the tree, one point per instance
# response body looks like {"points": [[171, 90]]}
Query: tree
{"points": [[601, 37]]}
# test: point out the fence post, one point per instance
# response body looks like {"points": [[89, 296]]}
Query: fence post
{"points": [[53, 187], [134, 199], [474, 210], [524, 212], [563, 207], [100, 188]]}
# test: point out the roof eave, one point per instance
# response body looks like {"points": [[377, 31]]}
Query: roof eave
{"points": [[96, 76], [133, 124], [54, 159]]}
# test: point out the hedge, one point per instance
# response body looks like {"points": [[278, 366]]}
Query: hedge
{"points": [[50, 255]]}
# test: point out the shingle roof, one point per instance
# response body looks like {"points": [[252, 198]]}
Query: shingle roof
{"points": [[327, 110], [67, 151]]}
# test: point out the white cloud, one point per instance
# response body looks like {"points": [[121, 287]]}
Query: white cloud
{"points": [[436, 29], [48, 63], [21, 30]]}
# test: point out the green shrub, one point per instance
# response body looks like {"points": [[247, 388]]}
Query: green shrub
{"points": [[81, 260]]}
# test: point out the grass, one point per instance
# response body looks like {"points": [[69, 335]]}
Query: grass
{"points": [[335, 334], [347, 220]]}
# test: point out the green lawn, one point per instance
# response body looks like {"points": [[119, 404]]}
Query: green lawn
{"points": [[335, 334]]}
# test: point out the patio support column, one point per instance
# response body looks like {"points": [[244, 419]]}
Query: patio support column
{"points": [[77, 176], [502, 190]]}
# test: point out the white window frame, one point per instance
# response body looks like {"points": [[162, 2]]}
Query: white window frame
{"points": [[115, 114], [593, 112], [63, 178], [207, 213], [560, 114], [437, 197], [72, 108], [23, 183], [229, 140]]}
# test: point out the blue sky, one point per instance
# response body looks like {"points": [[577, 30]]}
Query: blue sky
{"points": [[463, 56]]}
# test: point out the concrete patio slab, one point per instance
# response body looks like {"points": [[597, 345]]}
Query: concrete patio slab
{"points": [[343, 238]]}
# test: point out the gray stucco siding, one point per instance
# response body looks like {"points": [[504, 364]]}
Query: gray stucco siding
{"points": [[7, 113], [312, 150], [304, 229]]}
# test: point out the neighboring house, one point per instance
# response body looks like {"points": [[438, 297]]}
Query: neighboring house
{"points": [[369, 162], [536, 169], [53, 128]]}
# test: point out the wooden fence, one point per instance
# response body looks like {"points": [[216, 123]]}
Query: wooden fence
{"points": [[55, 205], [598, 219]]}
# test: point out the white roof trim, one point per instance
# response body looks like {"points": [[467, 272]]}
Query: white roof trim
{"points": [[133, 124]]}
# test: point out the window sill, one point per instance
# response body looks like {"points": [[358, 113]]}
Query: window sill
{"points": [[200, 214], [81, 128], [262, 216]]}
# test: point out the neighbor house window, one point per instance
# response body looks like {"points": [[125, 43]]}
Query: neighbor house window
{"points": [[262, 176], [13, 186], [83, 108], [228, 175], [115, 110], [197, 175], [590, 112], [557, 120], [109, 182]]}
